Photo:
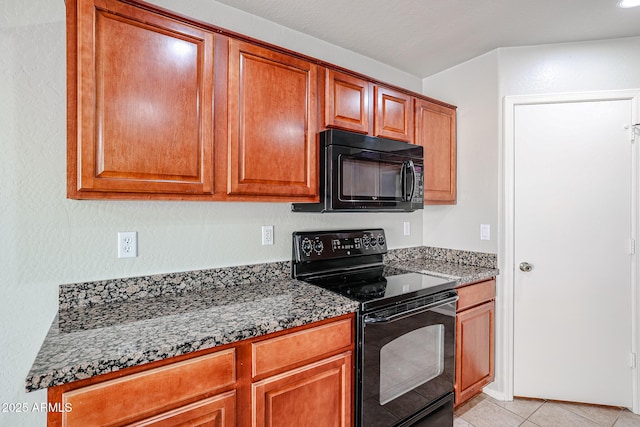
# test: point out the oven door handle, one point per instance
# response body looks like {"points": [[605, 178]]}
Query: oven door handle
{"points": [[417, 310]]}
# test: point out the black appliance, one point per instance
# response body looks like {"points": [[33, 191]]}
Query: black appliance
{"points": [[366, 173], [405, 327]]}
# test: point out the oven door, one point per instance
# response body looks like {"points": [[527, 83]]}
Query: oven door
{"points": [[408, 356], [361, 179]]}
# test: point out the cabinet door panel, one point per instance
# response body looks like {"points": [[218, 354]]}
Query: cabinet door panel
{"points": [[346, 102], [436, 132], [393, 116], [272, 123], [474, 350], [315, 395], [217, 411], [144, 102]]}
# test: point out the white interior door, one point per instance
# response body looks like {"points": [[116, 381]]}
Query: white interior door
{"points": [[573, 225]]}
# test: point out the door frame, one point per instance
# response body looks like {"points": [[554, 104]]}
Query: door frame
{"points": [[507, 219]]}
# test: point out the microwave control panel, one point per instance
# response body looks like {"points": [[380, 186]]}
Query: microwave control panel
{"points": [[418, 186]]}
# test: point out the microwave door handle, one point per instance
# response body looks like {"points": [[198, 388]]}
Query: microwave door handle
{"points": [[408, 192]]}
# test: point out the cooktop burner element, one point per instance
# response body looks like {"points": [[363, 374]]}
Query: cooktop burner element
{"points": [[369, 290]]}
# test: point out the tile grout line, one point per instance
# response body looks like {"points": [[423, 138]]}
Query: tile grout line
{"points": [[618, 417], [544, 402], [596, 421]]}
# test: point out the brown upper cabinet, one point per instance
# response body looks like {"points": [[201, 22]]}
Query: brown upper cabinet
{"points": [[140, 88], [347, 102], [356, 104], [272, 123], [162, 107], [347, 105], [393, 114], [436, 132]]}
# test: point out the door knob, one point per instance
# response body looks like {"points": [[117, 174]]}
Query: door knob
{"points": [[526, 267]]}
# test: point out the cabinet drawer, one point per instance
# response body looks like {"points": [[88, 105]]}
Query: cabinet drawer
{"points": [[293, 349], [134, 396], [475, 294]]}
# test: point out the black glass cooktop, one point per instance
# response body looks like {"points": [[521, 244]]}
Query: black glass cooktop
{"points": [[351, 262], [378, 287]]}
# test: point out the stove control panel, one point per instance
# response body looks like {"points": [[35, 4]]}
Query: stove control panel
{"points": [[324, 245]]}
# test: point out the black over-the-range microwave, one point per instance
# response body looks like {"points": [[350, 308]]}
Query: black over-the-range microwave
{"points": [[365, 173]]}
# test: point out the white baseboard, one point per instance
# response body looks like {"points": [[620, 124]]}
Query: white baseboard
{"points": [[495, 394]]}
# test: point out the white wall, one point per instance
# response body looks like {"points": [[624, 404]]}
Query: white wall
{"points": [[46, 240], [478, 88], [571, 67], [473, 88]]}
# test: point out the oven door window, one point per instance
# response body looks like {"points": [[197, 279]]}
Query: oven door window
{"points": [[366, 179], [410, 361]]}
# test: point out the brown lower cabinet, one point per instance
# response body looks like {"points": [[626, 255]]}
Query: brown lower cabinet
{"points": [[302, 376], [285, 399], [474, 339]]}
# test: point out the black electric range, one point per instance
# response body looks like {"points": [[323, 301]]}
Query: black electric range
{"points": [[405, 328]]}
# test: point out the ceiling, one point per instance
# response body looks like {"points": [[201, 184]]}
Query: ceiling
{"points": [[423, 37]]}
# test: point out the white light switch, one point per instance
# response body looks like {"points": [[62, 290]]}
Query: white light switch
{"points": [[485, 232], [407, 228], [267, 235]]}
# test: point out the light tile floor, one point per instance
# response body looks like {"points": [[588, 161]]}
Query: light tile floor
{"points": [[485, 411]]}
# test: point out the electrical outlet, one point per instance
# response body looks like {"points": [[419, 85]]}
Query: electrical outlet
{"points": [[267, 235], [127, 244], [407, 228]]}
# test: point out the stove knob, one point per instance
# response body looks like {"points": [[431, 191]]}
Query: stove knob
{"points": [[318, 246], [374, 241], [306, 246], [381, 241], [366, 240]]}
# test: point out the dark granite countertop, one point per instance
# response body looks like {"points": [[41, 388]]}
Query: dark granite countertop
{"points": [[95, 339], [109, 325], [462, 274], [464, 267]]}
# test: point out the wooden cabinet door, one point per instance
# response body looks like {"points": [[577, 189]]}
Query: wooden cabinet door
{"points": [[474, 350], [346, 102], [272, 123], [393, 114], [140, 89], [318, 395], [216, 411], [436, 132]]}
